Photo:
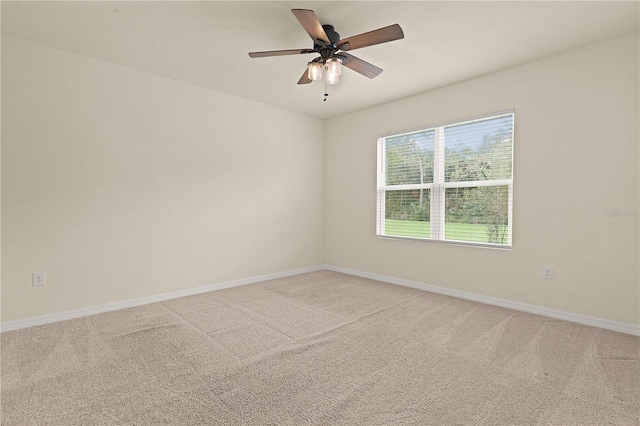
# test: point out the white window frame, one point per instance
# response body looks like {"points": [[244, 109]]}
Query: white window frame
{"points": [[439, 186]]}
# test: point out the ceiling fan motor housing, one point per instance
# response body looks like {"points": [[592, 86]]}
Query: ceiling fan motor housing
{"points": [[332, 35], [327, 51]]}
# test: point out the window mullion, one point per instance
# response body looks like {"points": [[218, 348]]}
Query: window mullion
{"points": [[437, 194]]}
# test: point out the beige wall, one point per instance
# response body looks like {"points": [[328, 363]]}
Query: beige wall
{"points": [[120, 184], [576, 156]]}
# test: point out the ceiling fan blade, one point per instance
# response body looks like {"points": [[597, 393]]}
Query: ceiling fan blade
{"points": [[305, 78], [311, 24], [279, 53], [381, 35], [358, 65]]}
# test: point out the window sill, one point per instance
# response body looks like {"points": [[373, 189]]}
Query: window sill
{"points": [[448, 242]]}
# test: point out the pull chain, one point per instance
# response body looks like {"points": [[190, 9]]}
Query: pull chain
{"points": [[326, 92]]}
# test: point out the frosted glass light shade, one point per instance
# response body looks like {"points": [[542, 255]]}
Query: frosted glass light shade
{"points": [[331, 78], [314, 71], [332, 66], [332, 70]]}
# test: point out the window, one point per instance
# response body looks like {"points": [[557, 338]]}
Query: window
{"points": [[452, 182]]}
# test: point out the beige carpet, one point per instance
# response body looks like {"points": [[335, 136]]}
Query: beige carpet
{"points": [[319, 349]]}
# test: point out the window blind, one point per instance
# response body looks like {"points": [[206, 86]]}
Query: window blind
{"points": [[452, 182]]}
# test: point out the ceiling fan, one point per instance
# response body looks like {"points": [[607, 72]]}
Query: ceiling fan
{"points": [[333, 50]]}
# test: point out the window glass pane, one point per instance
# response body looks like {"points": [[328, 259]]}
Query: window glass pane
{"points": [[447, 161], [478, 214], [407, 213], [479, 150], [409, 158]]}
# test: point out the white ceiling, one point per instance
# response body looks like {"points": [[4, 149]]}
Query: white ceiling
{"points": [[206, 43]]}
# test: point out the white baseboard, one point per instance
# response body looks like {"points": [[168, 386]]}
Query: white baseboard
{"points": [[532, 309], [538, 310], [83, 312]]}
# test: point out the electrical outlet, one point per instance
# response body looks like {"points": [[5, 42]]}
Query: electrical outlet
{"points": [[547, 272], [37, 279]]}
